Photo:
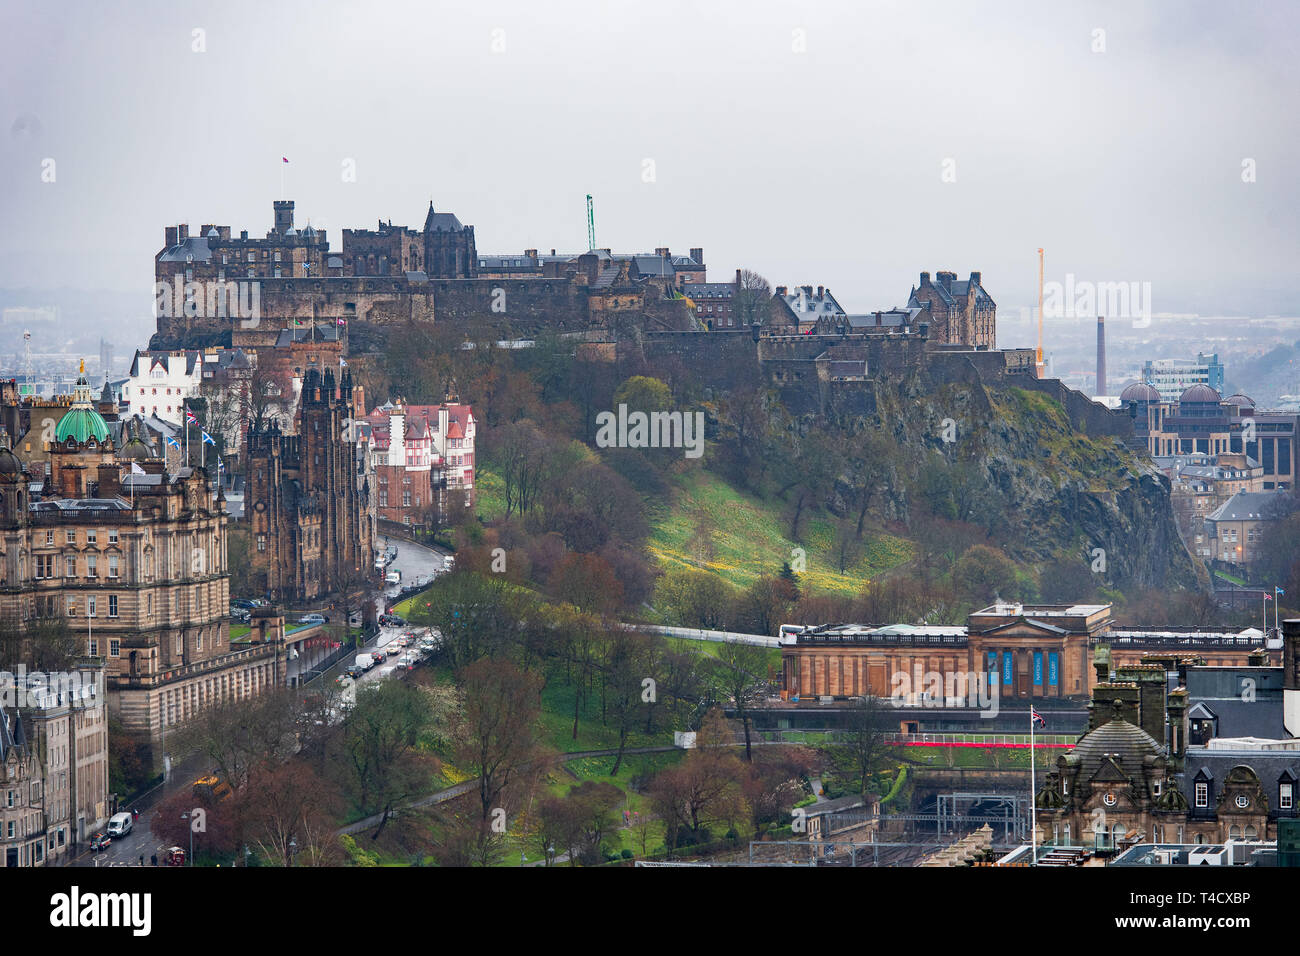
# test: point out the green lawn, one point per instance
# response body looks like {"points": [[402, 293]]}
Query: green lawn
{"points": [[749, 538], [489, 492]]}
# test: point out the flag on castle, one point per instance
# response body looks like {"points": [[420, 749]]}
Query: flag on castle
{"points": [[208, 439]]}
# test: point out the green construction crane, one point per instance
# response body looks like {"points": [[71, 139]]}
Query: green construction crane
{"points": [[591, 224]]}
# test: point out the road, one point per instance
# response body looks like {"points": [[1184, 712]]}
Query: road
{"points": [[415, 561]]}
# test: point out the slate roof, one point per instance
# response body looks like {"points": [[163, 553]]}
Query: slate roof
{"points": [[1254, 505], [195, 246], [1115, 738], [441, 222], [708, 290]]}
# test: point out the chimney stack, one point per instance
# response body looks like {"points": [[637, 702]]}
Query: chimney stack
{"points": [[820, 290], [925, 279], [1101, 355], [698, 255], [169, 236], [737, 278]]}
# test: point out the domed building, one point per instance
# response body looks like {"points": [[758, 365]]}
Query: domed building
{"points": [[82, 442], [1200, 401], [1118, 784], [1142, 401]]}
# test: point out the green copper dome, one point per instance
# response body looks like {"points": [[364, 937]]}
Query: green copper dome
{"points": [[81, 422]]}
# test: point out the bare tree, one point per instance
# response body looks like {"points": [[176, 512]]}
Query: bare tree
{"points": [[752, 298]]}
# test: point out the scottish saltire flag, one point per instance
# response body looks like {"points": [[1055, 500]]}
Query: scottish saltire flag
{"points": [[1279, 591], [173, 442], [1036, 717], [208, 439]]}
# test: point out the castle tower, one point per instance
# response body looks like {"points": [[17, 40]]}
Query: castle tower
{"points": [[283, 215]]}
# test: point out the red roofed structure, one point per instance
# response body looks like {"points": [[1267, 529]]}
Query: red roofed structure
{"points": [[423, 458]]}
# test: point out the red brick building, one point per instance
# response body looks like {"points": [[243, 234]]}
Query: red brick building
{"points": [[423, 456]]}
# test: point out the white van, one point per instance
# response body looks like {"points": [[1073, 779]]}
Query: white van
{"points": [[120, 825], [365, 661]]}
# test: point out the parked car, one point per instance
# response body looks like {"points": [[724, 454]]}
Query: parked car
{"points": [[244, 603], [100, 841], [120, 824], [312, 619]]}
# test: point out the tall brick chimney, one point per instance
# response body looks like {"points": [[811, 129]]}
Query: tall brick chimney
{"points": [[925, 279], [283, 215], [1101, 355], [169, 236], [698, 255]]}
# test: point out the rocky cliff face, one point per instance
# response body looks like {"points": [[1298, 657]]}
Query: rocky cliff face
{"points": [[1061, 494]]}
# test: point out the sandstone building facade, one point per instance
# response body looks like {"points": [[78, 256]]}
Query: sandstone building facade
{"points": [[306, 500]]}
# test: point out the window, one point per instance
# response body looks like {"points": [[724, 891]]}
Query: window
{"points": [[91, 536], [92, 569], [94, 647], [112, 565], [1202, 795], [44, 566], [1284, 797], [91, 604], [49, 537], [112, 536], [112, 606], [114, 647], [261, 542], [71, 537], [69, 567]]}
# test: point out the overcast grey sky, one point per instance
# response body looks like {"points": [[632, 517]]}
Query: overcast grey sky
{"points": [[823, 166]]}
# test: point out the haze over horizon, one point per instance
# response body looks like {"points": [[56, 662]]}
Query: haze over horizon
{"points": [[824, 166]]}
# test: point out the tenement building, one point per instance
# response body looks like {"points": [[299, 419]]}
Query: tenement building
{"points": [[131, 559], [53, 763], [423, 459]]}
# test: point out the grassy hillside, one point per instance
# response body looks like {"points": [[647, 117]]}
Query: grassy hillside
{"points": [[749, 538], [748, 534]]}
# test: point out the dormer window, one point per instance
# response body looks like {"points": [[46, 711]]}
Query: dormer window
{"points": [[1202, 795], [1284, 796]]}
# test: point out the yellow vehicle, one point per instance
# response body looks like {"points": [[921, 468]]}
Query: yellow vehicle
{"points": [[212, 789]]}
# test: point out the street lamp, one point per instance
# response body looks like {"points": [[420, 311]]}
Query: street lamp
{"points": [[293, 848], [186, 818]]}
